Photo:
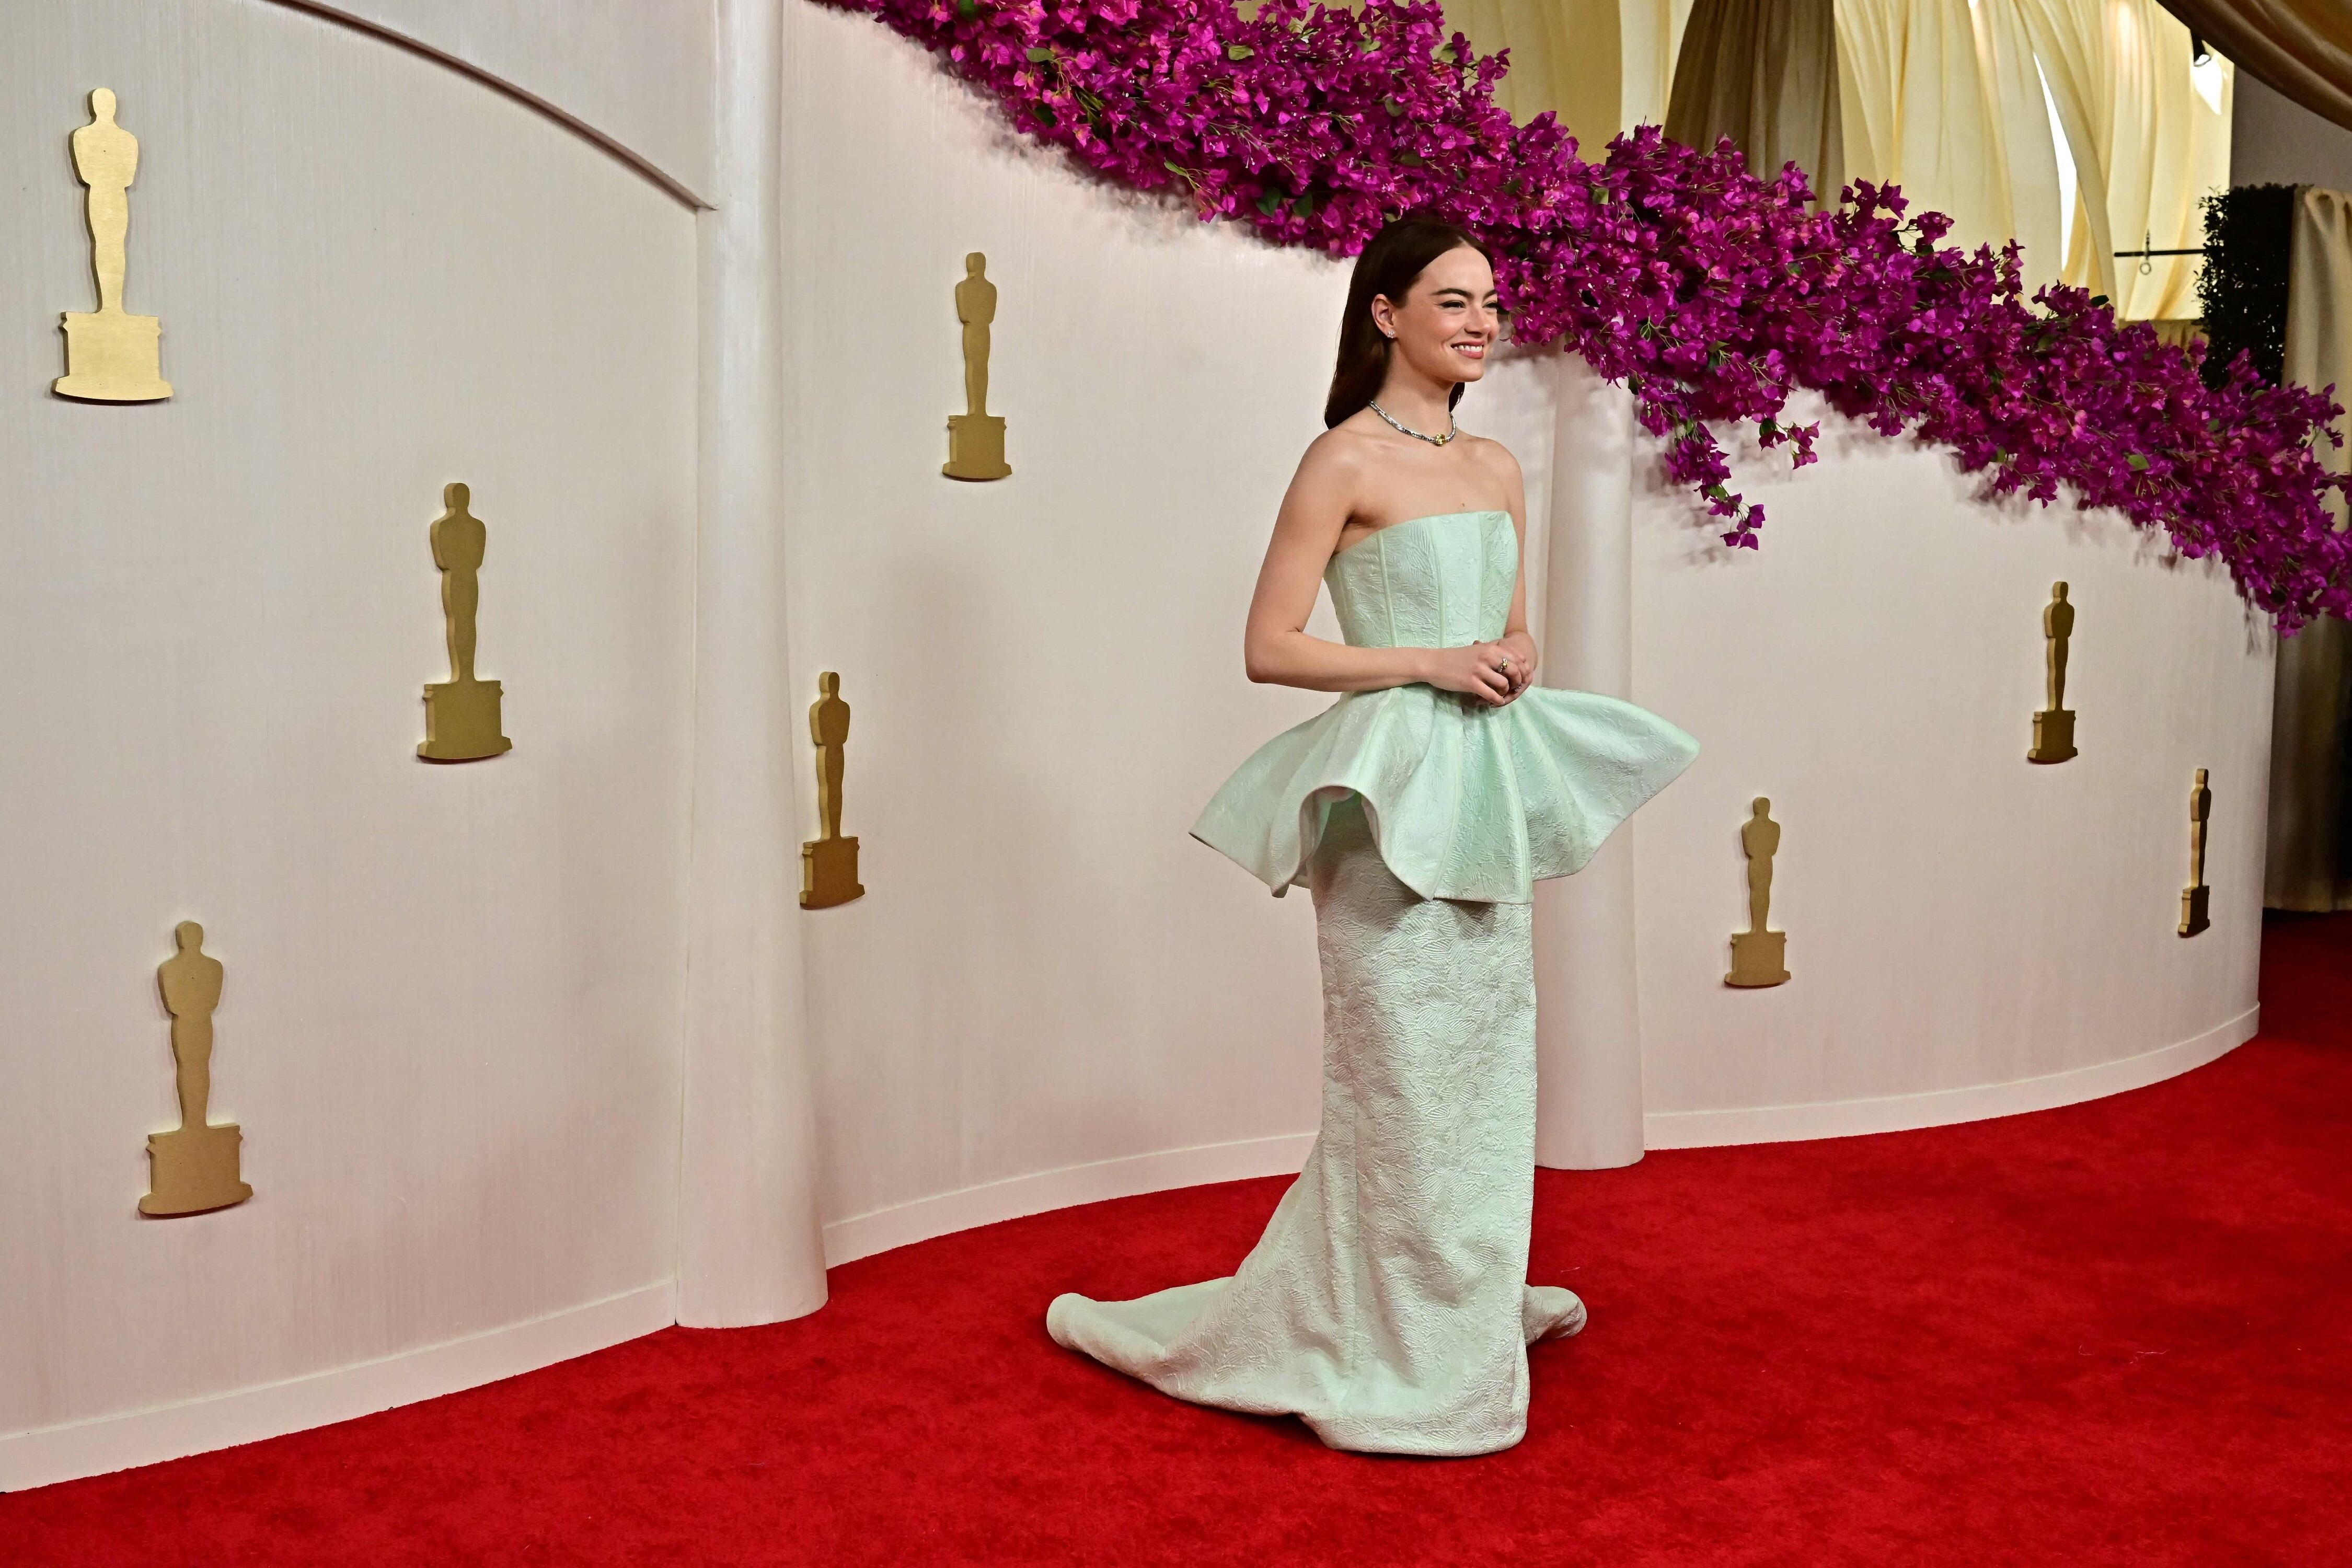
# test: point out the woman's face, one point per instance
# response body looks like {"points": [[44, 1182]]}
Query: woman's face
{"points": [[1449, 319]]}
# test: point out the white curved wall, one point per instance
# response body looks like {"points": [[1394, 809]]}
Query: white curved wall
{"points": [[637, 74], [1970, 933], [450, 1029]]}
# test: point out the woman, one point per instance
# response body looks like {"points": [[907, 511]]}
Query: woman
{"points": [[1387, 1302]]}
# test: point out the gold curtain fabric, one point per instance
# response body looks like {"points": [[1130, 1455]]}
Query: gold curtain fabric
{"points": [[2301, 47], [2309, 864], [1563, 58], [1764, 73], [1652, 33]]}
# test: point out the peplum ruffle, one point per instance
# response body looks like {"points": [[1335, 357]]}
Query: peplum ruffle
{"points": [[1466, 801]]}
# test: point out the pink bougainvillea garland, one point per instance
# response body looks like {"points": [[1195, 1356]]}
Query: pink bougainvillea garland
{"points": [[1712, 293]]}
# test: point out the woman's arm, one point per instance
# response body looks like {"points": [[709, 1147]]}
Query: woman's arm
{"points": [[1516, 639], [1275, 644]]}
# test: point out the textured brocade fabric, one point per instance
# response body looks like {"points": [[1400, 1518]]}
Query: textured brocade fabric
{"points": [[1385, 1302], [1466, 801]]}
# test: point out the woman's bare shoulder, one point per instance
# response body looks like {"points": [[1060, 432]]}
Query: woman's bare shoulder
{"points": [[1491, 455], [1339, 457]]}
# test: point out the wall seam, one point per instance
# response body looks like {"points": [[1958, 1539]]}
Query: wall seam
{"points": [[669, 183]]}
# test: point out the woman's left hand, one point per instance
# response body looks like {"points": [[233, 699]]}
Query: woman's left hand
{"points": [[1521, 650]]}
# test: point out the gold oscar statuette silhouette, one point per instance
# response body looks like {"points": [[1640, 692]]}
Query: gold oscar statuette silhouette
{"points": [[461, 714], [112, 356], [1758, 956], [2053, 727], [829, 861], [975, 438], [2197, 899], [193, 1168]]}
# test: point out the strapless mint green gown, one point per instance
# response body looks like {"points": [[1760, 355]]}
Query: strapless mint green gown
{"points": [[1386, 1304]]}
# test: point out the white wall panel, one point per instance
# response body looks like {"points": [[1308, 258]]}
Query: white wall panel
{"points": [[450, 1028], [1957, 916], [636, 73], [1045, 671], [2274, 140]]}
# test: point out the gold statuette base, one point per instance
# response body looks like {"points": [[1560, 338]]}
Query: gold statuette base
{"points": [[461, 722], [112, 356], [975, 446], [2053, 736], [193, 1170], [2196, 909], [1759, 958], [829, 873]]}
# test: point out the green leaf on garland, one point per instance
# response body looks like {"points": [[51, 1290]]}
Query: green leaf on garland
{"points": [[1238, 51], [1304, 207], [966, 9], [2138, 464], [1413, 160], [1271, 203], [1039, 56]]}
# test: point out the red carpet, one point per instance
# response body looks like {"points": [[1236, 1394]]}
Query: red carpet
{"points": [[2114, 1333]]}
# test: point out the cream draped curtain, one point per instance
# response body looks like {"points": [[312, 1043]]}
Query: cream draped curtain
{"points": [[1953, 100], [1563, 58], [1946, 98], [1653, 31], [1603, 66], [2148, 149], [1942, 98], [2310, 859], [1764, 73]]}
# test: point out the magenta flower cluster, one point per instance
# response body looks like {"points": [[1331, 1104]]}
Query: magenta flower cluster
{"points": [[1712, 293]]}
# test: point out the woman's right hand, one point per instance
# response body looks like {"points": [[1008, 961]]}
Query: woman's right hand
{"points": [[1480, 670]]}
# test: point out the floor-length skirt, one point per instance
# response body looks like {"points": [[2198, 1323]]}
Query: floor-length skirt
{"points": [[1386, 1303]]}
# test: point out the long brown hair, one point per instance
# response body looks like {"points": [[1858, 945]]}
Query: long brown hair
{"points": [[1400, 253]]}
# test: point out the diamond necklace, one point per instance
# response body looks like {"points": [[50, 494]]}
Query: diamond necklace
{"points": [[1451, 430]]}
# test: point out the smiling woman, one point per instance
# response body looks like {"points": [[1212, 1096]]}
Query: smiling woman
{"points": [[1387, 1303], [1451, 275]]}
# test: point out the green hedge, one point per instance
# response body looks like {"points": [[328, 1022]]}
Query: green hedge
{"points": [[2242, 290]]}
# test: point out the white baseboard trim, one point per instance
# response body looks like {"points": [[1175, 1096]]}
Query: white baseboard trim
{"points": [[212, 1421], [862, 1235], [1942, 1108]]}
